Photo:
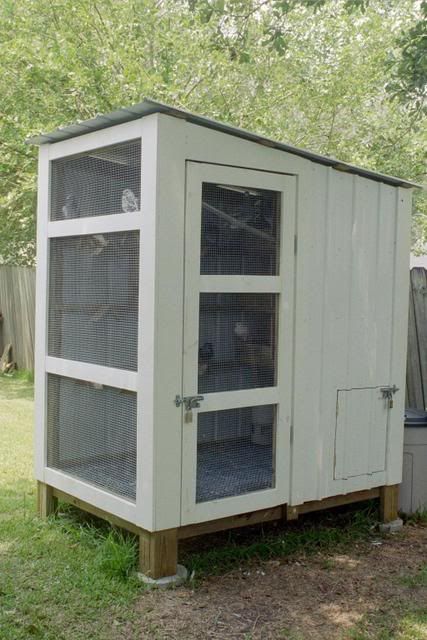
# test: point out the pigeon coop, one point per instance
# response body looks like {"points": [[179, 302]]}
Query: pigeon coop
{"points": [[221, 327]]}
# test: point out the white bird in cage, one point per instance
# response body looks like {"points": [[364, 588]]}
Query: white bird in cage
{"points": [[129, 201], [100, 243], [70, 208], [241, 330]]}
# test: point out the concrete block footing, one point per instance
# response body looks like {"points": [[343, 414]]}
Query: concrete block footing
{"points": [[169, 581], [392, 527]]}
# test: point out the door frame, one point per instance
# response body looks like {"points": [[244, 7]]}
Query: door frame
{"points": [[282, 284]]}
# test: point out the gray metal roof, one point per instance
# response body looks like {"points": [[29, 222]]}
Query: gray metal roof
{"points": [[149, 106]]}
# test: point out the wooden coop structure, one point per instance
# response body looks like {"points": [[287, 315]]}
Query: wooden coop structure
{"points": [[221, 327]]}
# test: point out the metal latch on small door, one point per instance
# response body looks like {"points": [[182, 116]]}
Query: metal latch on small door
{"points": [[388, 393], [190, 403]]}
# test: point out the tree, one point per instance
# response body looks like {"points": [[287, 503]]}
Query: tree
{"points": [[314, 73], [410, 66]]}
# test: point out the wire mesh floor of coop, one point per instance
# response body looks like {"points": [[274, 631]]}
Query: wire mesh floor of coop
{"points": [[222, 470], [116, 474], [233, 468]]}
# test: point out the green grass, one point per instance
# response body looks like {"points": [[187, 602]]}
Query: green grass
{"points": [[400, 624], [417, 580], [22, 375], [319, 533], [419, 517]]}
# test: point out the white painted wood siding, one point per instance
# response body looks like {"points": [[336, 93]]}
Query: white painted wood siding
{"points": [[350, 309], [350, 326]]}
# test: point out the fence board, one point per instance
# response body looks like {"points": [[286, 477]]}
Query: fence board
{"points": [[414, 386], [419, 289], [416, 374], [17, 304]]}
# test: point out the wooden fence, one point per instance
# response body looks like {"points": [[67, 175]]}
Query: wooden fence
{"points": [[416, 372], [17, 305]]}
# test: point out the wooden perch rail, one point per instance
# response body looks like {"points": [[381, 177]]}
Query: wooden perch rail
{"points": [[238, 223]]}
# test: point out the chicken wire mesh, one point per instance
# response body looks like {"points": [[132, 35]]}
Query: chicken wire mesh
{"points": [[100, 182], [237, 338], [240, 230], [235, 452], [93, 299], [91, 433]]}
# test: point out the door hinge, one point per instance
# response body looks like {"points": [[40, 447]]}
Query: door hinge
{"points": [[295, 245]]}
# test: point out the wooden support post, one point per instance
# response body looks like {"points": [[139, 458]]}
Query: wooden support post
{"points": [[46, 501], [158, 553], [389, 503], [291, 512]]}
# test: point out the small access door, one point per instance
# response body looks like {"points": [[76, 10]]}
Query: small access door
{"points": [[238, 337], [361, 431]]}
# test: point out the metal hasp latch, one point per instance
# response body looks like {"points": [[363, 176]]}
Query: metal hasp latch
{"points": [[388, 393], [190, 403]]}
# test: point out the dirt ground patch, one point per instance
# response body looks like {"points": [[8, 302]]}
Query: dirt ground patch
{"points": [[362, 594]]}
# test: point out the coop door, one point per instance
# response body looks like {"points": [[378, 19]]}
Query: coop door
{"points": [[361, 432], [239, 262]]}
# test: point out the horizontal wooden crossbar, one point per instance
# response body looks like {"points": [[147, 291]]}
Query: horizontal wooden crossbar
{"points": [[338, 501], [95, 511], [282, 512]]}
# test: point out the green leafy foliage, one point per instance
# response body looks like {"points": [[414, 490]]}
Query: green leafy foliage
{"points": [[410, 81], [322, 74]]}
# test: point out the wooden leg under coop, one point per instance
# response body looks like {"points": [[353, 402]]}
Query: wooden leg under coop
{"points": [[389, 503], [158, 553], [47, 503]]}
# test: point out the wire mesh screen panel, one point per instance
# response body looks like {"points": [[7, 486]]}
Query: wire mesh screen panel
{"points": [[237, 341], [93, 299], [96, 183], [235, 452], [91, 434], [240, 230]]}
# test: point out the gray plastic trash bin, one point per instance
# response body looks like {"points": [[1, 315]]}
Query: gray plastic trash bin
{"points": [[413, 490]]}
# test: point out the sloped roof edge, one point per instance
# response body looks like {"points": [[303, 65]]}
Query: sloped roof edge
{"points": [[148, 106]]}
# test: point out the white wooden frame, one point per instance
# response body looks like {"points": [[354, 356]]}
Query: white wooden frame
{"points": [[46, 364], [179, 142], [398, 345], [282, 284]]}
